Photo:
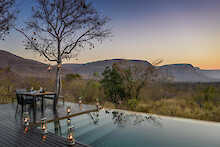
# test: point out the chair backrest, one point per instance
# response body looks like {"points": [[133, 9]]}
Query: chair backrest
{"points": [[19, 98], [19, 95], [50, 96], [20, 91]]}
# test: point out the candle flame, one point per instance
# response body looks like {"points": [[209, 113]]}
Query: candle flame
{"points": [[43, 127]]}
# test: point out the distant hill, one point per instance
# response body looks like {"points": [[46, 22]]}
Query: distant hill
{"points": [[215, 74], [87, 70], [186, 73], [178, 72], [21, 66]]}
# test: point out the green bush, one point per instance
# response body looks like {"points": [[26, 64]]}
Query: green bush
{"points": [[112, 84], [92, 91], [132, 103], [70, 77]]}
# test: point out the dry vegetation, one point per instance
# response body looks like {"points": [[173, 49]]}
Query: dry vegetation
{"points": [[197, 101]]}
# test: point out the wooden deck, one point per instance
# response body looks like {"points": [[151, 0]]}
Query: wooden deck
{"points": [[61, 112], [12, 130]]}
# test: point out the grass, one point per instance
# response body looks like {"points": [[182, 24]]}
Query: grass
{"points": [[6, 99], [188, 100]]}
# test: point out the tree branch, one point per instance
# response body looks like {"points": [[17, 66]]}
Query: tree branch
{"points": [[74, 44], [35, 47]]}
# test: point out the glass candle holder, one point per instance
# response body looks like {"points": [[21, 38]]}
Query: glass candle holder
{"points": [[44, 125], [59, 65], [68, 110], [49, 68], [26, 129], [80, 100], [26, 119], [70, 136], [68, 122], [97, 104]]}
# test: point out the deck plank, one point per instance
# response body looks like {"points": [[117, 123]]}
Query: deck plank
{"points": [[12, 130]]}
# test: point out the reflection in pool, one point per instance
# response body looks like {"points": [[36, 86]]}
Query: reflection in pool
{"points": [[111, 128]]}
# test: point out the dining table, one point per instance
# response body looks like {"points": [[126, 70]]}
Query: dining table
{"points": [[42, 95]]}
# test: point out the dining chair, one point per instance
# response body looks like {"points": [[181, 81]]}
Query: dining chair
{"points": [[23, 100]]}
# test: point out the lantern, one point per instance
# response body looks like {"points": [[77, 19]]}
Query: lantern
{"points": [[44, 125], [32, 89], [59, 65], [68, 110], [49, 68], [26, 118], [80, 100], [26, 130], [70, 136], [41, 90], [44, 137], [97, 104], [68, 122]]}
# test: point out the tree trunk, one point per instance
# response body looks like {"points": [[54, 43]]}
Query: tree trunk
{"points": [[58, 74], [58, 85]]}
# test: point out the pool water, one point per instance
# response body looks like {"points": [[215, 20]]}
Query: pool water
{"points": [[114, 128]]}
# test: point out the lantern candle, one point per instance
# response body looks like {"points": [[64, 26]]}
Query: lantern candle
{"points": [[80, 100], [70, 137], [59, 65], [44, 125], [68, 121], [26, 129], [97, 104], [68, 110], [44, 137], [49, 68], [26, 119]]}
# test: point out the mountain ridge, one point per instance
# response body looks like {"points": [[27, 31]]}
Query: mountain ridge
{"points": [[182, 72]]}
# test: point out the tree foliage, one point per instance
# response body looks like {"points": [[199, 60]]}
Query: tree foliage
{"points": [[124, 82], [113, 84], [135, 78], [7, 17], [205, 97]]}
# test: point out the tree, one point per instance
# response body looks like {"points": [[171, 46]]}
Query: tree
{"points": [[7, 17], [135, 77], [59, 29], [206, 94], [124, 81], [113, 85]]}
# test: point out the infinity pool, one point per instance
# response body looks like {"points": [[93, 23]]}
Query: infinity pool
{"points": [[114, 128]]}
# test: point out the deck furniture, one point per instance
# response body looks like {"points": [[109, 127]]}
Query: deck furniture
{"points": [[42, 95], [23, 100], [53, 97]]}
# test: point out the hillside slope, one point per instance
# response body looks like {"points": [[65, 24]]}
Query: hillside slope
{"points": [[185, 73], [21, 66], [87, 70], [178, 72]]}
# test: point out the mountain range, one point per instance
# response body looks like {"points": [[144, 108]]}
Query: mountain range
{"points": [[179, 72]]}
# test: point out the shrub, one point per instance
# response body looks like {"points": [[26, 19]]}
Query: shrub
{"points": [[70, 77], [92, 91], [132, 103]]}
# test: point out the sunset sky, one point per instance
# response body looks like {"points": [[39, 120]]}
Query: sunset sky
{"points": [[177, 31]]}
